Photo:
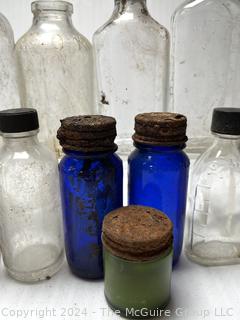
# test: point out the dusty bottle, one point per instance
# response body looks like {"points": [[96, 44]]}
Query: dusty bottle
{"points": [[158, 168], [91, 178], [30, 213], [214, 222], [9, 95], [132, 66], [205, 63], [55, 67]]}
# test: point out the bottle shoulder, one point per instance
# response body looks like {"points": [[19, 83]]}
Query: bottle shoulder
{"points": [[74, 163], [119, 23], [212, 7], [36, 37], [27, 154], [216, 159], [6, 29], [103, 27], [82, 39], [148, 157], [117, 159]]}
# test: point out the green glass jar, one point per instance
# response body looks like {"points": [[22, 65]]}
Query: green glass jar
{"points": [[138, 257]]}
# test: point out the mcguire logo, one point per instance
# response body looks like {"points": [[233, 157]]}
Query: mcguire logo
{"points": [[144, 312]]}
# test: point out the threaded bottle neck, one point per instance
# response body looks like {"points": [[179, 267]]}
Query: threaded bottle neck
{"points": [[52, 10]]}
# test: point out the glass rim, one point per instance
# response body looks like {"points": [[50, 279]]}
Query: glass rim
{"points": [[18, 135], [226, 136], [159, 257], [155, 147], [54, 5]]}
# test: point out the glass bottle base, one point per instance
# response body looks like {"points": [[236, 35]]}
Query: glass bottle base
{"points": [[214, 253], [38, 275], [176, 261], [86, 276]]}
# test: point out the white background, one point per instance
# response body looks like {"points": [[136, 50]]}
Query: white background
{"points": [[88, 16], [203, 293]]}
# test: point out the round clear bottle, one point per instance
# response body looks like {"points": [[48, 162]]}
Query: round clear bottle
{"points": [[30, 211], [205, 63], [55, 68], [214, 221], [132, 66], [8, 77]]}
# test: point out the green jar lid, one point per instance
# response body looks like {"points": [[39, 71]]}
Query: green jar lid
{"points": [[137, 233]]}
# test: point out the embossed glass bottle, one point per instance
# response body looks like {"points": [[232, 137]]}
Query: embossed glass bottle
{"points": [[9, 95], [91, 177], [55, 67], [214, 221], [205, 63], [30, 207], [132, 66]]}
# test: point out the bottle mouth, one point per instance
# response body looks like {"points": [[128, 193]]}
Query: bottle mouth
{"points": [[57, 6]]}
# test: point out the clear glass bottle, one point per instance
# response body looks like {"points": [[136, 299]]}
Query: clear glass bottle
{"points": [[158, 169], [30, 213], [132, 66], [214, 221], [91, 177], [56, 68], [9, 95], [205, 63]]}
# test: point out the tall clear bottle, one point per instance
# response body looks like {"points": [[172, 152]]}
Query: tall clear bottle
{"points": [[205, 63], [132, 66], [56, 68], [9, 95]]}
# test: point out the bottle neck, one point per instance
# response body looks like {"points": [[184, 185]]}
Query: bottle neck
{"points": [[223, 139], [157, 149], [53, 17], [226, 146], [52, 12], [134, 6], [20, 139]]}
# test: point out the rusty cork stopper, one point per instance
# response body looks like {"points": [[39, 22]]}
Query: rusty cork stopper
{"points": [[160, 128], [137, 233], [88, 133]]}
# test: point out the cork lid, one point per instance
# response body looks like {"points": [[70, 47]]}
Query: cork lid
{"points": [[137, 233], [160, 128], [91, 133]]}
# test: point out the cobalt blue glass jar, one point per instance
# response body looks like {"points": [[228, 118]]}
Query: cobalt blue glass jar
{"points": [[158, 168], [91, 176]]}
